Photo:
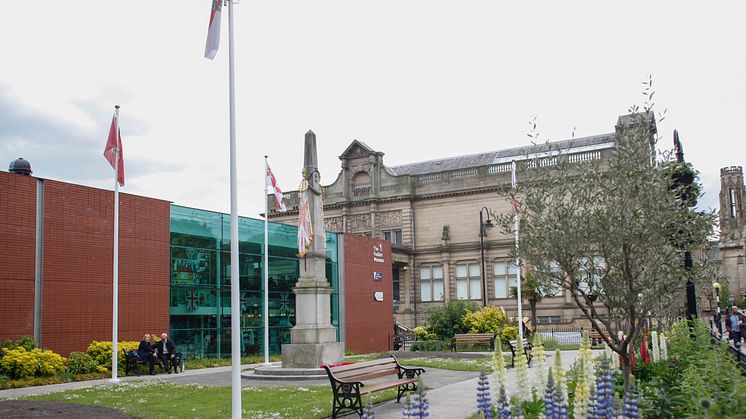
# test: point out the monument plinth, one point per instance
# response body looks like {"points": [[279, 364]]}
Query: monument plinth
{"points": [[313, 340]]}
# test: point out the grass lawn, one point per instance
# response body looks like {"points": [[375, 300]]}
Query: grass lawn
{"points": [[164, 400], [483, 363]]}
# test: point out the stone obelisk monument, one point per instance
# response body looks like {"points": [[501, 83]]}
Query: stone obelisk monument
{"points": [[313, 340]]}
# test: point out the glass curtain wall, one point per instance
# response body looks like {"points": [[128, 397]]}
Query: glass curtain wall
{"points": [[200, 297]]}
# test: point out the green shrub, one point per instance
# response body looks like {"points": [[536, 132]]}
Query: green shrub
{"points": [[101, 353], [448, 320], [488, 319], [424, 333], [550, 344], [48, 362], [26, 342], [18, 363], [431, 346], [81, 363], [509, 333]]}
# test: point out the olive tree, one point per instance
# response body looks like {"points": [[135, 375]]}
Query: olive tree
{"points": [[610, 231]]}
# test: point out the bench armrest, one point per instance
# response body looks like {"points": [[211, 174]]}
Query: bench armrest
{"points": [[334, 379], [410, 372]]}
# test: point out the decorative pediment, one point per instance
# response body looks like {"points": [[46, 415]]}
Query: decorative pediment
{"points": [[357, 149]]}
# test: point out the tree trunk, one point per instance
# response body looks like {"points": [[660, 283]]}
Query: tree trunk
{"points": [[627, 372]]}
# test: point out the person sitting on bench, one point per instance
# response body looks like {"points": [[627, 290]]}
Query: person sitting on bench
{"points": [[147, 353], [167, 353]]}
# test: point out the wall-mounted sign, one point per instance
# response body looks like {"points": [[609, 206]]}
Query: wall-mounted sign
{"points": [[377, 276], [378, 296], [378, 253]]}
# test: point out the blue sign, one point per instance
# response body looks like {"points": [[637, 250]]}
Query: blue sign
{"points": [[377, 276]]}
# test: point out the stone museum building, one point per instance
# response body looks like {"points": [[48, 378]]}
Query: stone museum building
{"points": [[56, 283], [432, 213]]}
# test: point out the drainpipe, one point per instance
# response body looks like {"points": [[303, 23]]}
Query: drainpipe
{"points": [[39, 260]]}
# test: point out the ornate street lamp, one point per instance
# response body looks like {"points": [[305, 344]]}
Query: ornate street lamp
{"points": [[484, 226]]}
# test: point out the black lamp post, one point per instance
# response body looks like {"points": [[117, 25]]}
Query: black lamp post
{"points": [[483, 227], [691, 300]]}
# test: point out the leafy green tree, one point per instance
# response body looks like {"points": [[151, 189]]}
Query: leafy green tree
{"points": [[532, 291], [610, 232], [449, 320]]}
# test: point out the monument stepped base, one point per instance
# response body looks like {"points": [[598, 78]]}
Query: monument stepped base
{"points": [[312, 355]]}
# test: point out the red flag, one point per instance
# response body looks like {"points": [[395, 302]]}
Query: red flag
{"points": [[114, 148], [272, 183], [213, 31]]}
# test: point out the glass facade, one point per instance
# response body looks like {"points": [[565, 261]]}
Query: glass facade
{"points": [[200, 300]]}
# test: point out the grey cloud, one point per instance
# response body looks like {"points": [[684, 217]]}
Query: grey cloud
{"points": [[61, 150]]}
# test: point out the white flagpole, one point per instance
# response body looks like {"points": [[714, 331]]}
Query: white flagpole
{"points": [[235, 279], [517, 257], [115, 284], [265, 311]]}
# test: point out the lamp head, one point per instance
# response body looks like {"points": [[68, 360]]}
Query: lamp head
{"points": [[488, 225]]}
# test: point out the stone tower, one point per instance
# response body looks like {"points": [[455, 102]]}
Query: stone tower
{"points": [[732, 219], [732, 246]]}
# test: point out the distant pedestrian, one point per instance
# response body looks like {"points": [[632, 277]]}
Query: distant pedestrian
{"points": [[735, 324]]}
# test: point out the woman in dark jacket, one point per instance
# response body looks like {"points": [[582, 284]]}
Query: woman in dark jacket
{"points": [[147, 353]]}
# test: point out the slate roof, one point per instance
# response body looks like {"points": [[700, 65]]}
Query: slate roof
{"points": [[483, 159]]}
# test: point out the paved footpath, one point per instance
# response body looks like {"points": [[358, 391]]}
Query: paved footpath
{"points": [[452, 394], [458, 399]]}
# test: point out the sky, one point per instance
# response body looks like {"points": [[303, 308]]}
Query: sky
{"points": [[416, 80]]}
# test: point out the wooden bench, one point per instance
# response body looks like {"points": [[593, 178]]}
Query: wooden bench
{"points": [[595, 337], [526, 346], [132, 361], [474, 337], [348, 386]]}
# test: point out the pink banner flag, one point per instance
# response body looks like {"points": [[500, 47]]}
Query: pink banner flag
{"points": [[213, 31], [272, 184], [305, 232], [114, 148]]}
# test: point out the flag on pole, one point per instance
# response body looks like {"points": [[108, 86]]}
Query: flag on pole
{"points": [[272, 183], [114, 147], [514, 185], [213, 31], [305, 232]]}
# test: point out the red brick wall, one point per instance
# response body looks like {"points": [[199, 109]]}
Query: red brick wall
{"points": [[78, 259], [369, 322], [17, 255]]}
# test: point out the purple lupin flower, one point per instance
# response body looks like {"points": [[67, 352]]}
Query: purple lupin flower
{"points": [[407, 411], [631, 409], [560, 405], [503, 405], [484, 402], [368, 410], [549, 408], [604, 397]]}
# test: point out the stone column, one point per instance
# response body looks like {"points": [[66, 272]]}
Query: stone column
{"points": [[313, 340]]}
